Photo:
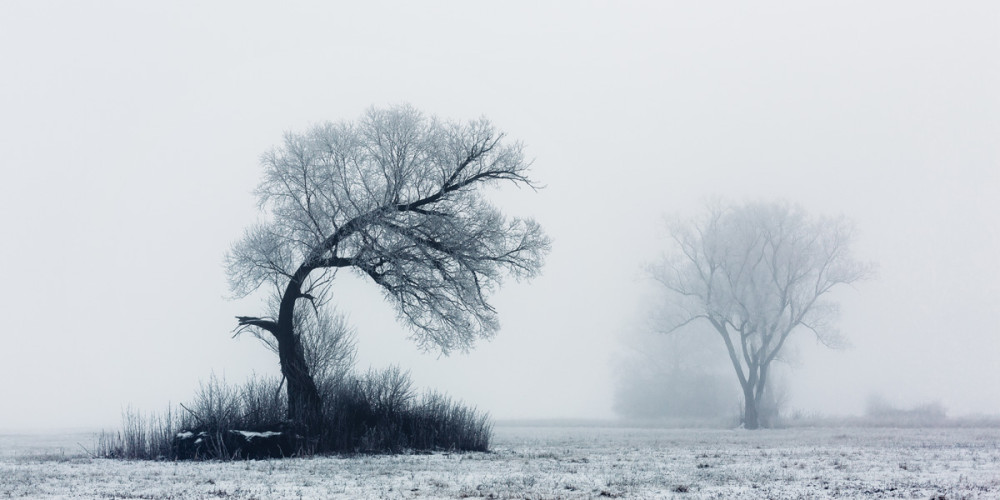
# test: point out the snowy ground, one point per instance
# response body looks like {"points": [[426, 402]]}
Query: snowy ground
{"points": [[554, 462]]}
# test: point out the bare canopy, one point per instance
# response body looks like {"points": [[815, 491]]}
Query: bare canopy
{"points": [[395, 197], [757, 272]]}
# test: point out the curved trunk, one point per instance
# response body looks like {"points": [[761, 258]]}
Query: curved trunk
{"points": [[304, 404]]}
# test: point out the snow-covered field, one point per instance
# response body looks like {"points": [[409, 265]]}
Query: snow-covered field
{"points": [[551, 462]]}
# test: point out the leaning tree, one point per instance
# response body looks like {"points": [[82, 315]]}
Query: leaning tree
{"points": [[395, 197], [757, 273]]}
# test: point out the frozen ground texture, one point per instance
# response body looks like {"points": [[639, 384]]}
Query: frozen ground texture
{"points": [[558, 462]]}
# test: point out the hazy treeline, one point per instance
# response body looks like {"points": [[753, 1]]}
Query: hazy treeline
{"points": [[674, 377]]}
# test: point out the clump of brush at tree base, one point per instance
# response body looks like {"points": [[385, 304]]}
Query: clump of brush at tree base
{"points": [[376, 412], [379, 412]]}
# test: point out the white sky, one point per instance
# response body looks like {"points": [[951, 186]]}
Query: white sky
{"points": [[130, 131]]}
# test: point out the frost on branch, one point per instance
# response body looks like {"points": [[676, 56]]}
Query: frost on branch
{"points": [[395, 197]]}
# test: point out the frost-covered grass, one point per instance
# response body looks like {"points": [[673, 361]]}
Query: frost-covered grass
{"points": [[567, 462], [373, 412]]}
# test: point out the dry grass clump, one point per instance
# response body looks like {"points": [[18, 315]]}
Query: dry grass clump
{"points": [[374, 412]]}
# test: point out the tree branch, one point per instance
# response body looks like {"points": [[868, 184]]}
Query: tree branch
{"points": [[251, 321]]}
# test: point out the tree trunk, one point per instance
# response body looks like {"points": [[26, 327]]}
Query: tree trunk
{"points": [[765, 413], [751, 418], [304, 404]]}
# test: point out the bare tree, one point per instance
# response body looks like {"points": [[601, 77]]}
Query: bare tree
{"points": [[394, 197], [756, 273]]}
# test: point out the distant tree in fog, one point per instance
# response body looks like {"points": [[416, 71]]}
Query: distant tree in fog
{"points": [[395, 198], [756, 273]]}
